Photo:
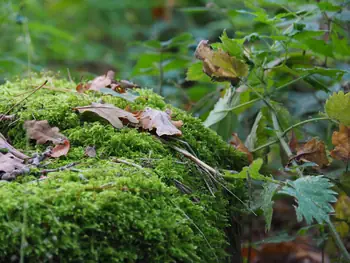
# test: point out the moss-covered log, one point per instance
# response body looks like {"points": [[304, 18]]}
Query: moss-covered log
{"points": [[103, 211]]}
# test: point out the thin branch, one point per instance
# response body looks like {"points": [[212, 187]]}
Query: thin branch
{"points": [[132, 164]]}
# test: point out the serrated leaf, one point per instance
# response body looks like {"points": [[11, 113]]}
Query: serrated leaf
{"points": [[195, 73], [313, 195], [338, 107], [252, 169], [267, 203], [232, 46]]}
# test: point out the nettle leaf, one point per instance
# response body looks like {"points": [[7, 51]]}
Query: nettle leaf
{"points": [[338, 107], [232, 46], [267, 203], [313, 195], [252, 169]]}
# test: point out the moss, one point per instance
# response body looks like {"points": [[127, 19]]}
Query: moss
{"points": [[107, 211]]}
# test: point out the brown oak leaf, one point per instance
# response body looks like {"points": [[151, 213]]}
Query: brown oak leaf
{"points": [[313, 151], [239, 145], [5, 145], [42, 132], [110, 113], [10, 166], [160, 121], [341, 141]]}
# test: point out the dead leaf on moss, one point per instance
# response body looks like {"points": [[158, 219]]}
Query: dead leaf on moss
{"points": [[313, 151], [5, 145], [11, 166], [160, 121], [90, 151], [60, 149], [239, 145], [106, 81], [219, 65], [341, 141], [110, 113], [42, 132]]}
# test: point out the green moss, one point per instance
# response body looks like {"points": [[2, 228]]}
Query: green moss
{"points": [[107, 211]]}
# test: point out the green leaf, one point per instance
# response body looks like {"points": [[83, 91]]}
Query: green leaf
{"points": [[338, 107], [267, 203], [328, 7], [252, 169], [313, 195], [330, 72], [232, 46], [220, 110], [195, 73]]}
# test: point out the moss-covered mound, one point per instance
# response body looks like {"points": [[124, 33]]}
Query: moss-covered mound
{"points": [[103, 211]]}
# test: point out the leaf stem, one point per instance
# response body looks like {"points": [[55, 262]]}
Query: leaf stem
{"points": [[288, 129], [241, 105], [338, 240]]}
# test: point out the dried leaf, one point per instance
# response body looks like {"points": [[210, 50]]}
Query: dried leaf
{"points": [[313, 151], [90, 151], [239, 145], [110, 113], [10, 166], [219, 65], [60, 149], [160, 121], [5, 145], [297, 251], [341, 141], [102, 81], [342, 212], [42, 132]]}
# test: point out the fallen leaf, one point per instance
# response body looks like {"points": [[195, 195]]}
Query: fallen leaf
{"points": [[90, 151], [341, 141], [60, 149], [160, 121], [313, 151], [4, 117], [296, 251], [106, 81], [110, 113], [42, 132], [5, 145], [219, 65], [10, 166], [239, 145]]}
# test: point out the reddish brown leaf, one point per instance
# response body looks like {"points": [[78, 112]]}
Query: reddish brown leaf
{"points": [[5, 145], [297, 251], [110, 113], [60, 149], [239, 145], [313, 151], [42, 132], [160, 121], [90, 151], [341, 141]]}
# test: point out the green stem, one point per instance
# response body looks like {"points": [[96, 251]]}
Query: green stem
{"points": [[293, 81], [338, 240], [241, 105], [287, 130], [161, 73]]}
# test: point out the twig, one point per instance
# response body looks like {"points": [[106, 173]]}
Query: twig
{"points": [[65, 167], [69, 76], [16, 104], [132, 164]]}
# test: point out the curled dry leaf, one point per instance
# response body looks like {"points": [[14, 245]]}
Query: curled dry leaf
{"points": [[60, 149], [42, 132], [106, 81], [239, 145], [341, 141], [219, 65], [5, 145], [160, 121], [110, 113], [313, 151]]}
